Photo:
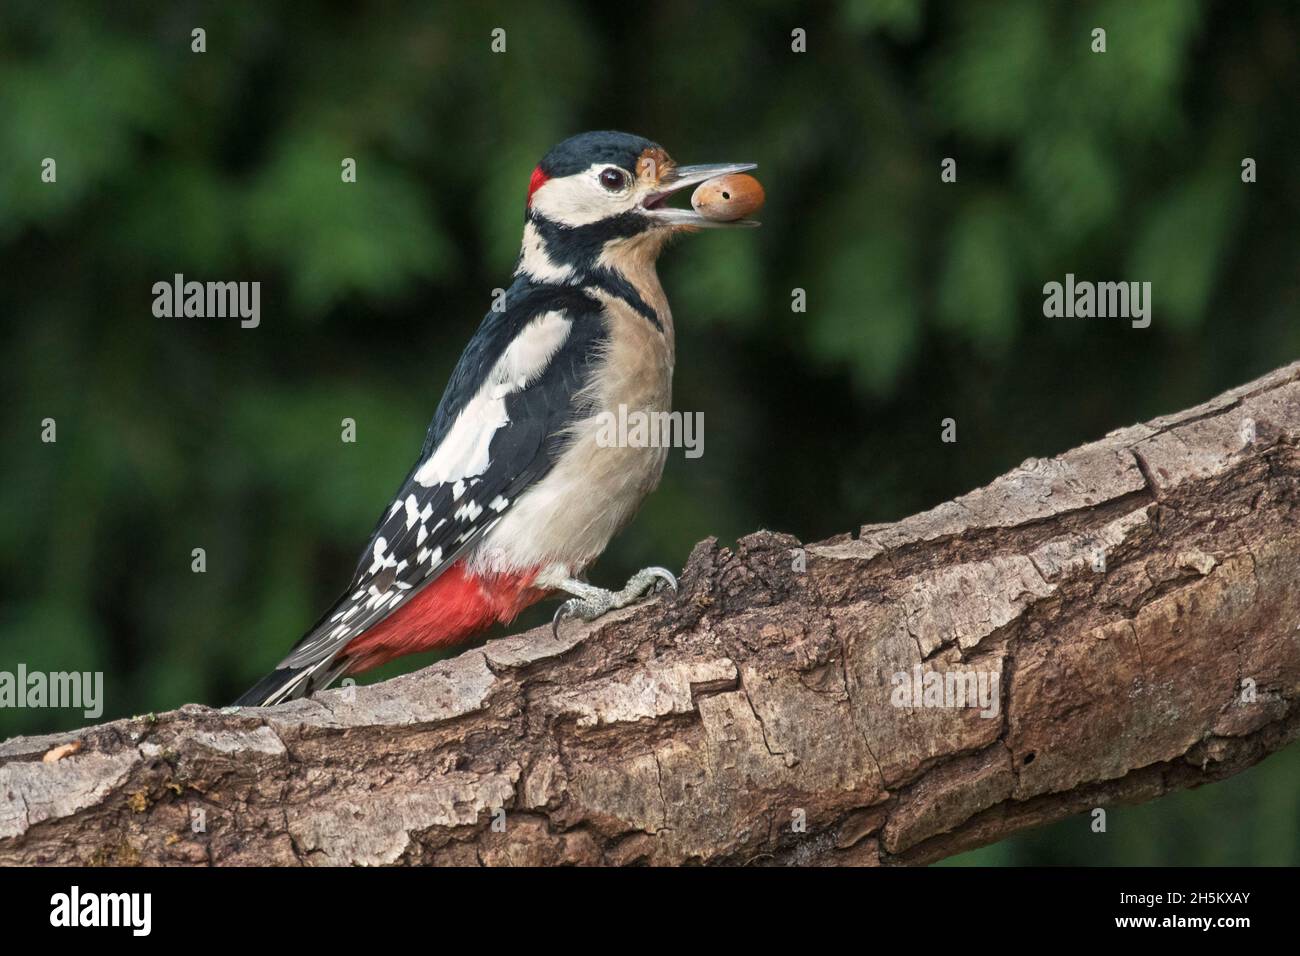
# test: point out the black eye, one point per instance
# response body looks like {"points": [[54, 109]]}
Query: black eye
{"points": [[613, 179]]}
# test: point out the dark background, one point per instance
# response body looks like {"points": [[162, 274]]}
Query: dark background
{"points": [[924, 298]]}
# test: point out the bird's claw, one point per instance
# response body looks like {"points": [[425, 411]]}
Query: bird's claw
{"points": [[596, 602], [661, 579], [584, 609]]}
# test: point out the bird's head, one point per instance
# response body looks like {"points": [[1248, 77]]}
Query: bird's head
{"points": [[604, 195]]}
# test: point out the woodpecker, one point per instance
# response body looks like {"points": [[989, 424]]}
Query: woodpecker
{"points": [[513, 496]]}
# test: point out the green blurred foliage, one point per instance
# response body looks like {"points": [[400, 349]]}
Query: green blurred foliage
{"points": [[924, 298]]}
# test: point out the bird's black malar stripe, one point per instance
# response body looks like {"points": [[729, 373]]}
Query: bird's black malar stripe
{"points": [[578, 247]]}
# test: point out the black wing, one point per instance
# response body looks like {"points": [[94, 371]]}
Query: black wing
{"points": [[427, 527]]}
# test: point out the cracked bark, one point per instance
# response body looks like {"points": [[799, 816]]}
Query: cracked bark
{"points": [[1137, 598]]}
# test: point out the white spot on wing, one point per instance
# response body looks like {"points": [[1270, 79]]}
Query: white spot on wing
{"points": [[468, 511], [413, 512], [381, 560]]}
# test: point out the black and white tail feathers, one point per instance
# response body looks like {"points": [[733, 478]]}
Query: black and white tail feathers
{"points": [[289, 683]]}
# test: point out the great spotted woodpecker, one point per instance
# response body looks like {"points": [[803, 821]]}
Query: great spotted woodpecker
{"points": [[513, 495]]}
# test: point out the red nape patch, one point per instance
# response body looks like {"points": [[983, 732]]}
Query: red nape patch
{"points": [[455, 607], [536, 183]]}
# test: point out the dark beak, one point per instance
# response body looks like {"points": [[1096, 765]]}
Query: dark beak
{"points": [[683, 177]]}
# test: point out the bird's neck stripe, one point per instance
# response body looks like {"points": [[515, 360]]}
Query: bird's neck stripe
{"points": [[535, 259], [616, 284]]}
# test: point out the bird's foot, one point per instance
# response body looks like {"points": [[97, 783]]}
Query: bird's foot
{"points": [[590, 602]]}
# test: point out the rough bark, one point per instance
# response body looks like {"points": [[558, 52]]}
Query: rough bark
{"points": [[1137, 598]]}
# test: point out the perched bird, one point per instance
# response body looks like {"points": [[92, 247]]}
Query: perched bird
{"points": [[513, 496]]}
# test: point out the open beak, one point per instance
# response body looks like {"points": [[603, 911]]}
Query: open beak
{"points": [[678, 178]]}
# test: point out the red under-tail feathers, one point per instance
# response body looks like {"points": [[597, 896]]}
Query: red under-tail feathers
{"points": [[451, 609]]}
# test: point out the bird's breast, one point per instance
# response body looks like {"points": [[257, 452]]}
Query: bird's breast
{"points": [[610, 461]]}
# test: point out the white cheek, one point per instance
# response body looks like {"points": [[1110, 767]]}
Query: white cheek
{"points": [[580, 200]]}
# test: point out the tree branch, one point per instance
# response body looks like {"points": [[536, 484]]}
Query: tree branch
{"points": [[1134, 599]]}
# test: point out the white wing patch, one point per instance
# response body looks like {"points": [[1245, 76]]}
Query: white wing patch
{"points": [[414, 514], [464, 451]]}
